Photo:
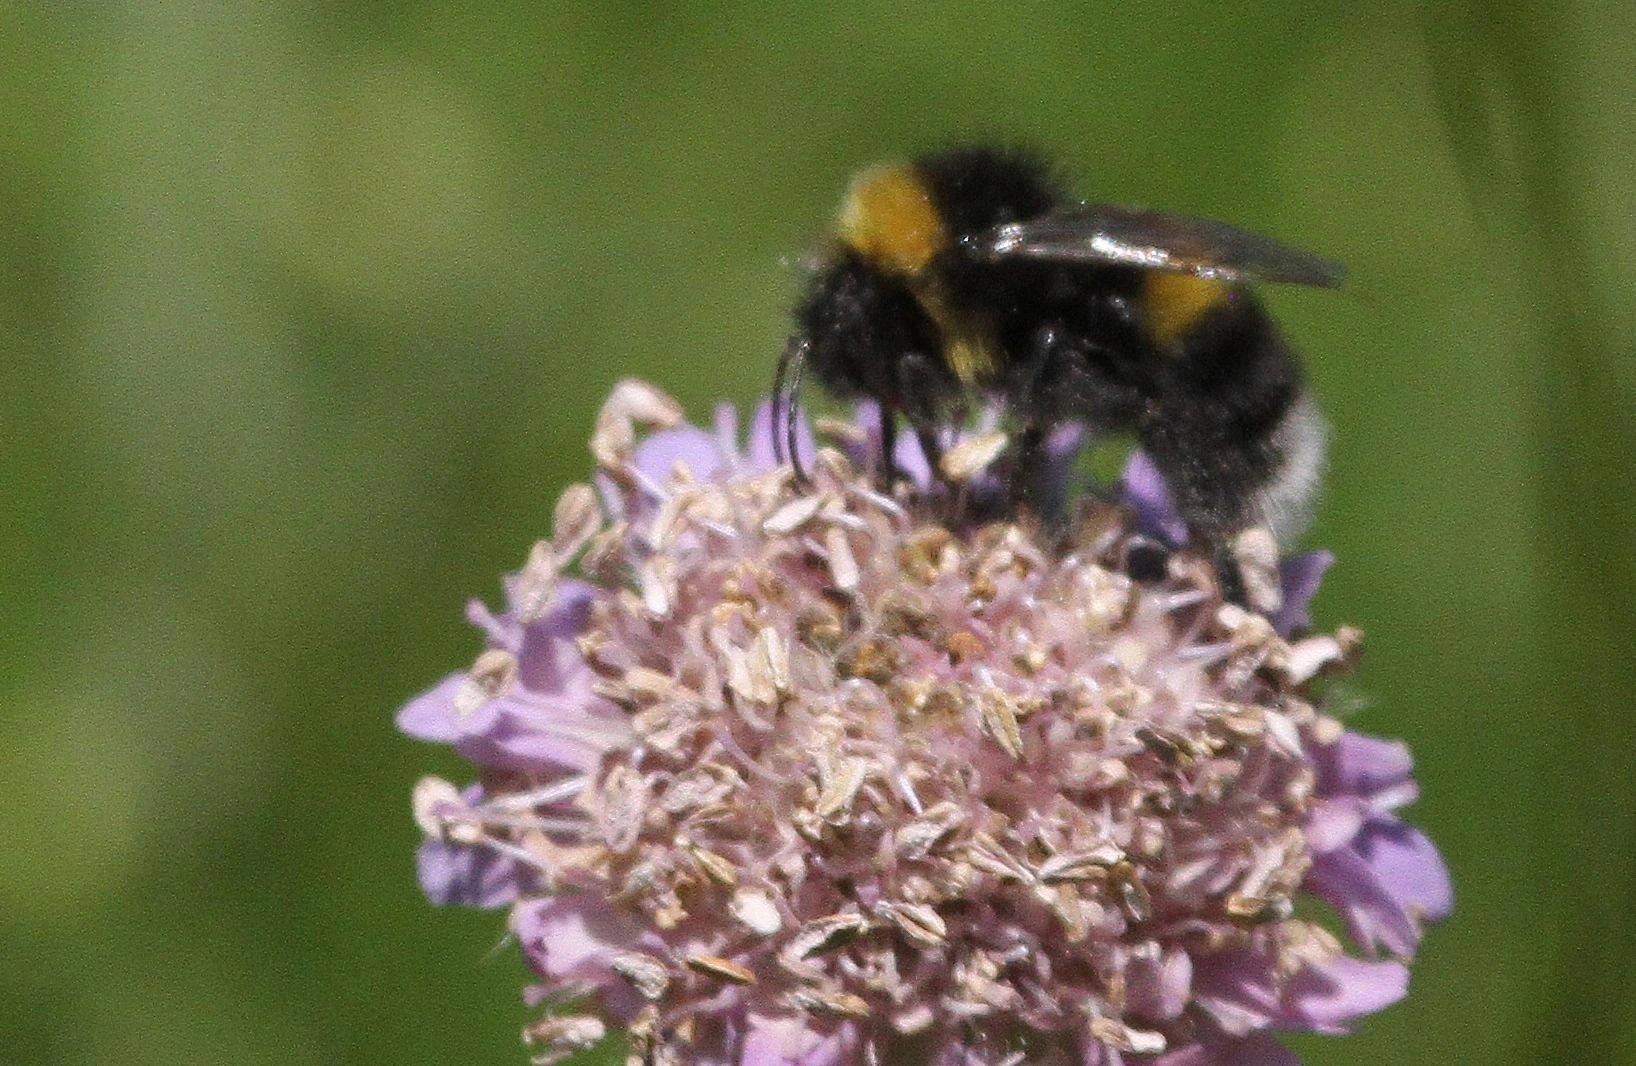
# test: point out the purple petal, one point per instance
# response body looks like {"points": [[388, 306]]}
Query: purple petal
{"points": [[1327, 995], [1300, 576], [1239, 989], [569, 611], [955, 1052], [862, 451], [1406, 863], [1365, 766], [546, 733], [1064, 445], [546, 654], [502, 630], [571, 937], [657, 455], [1062, 450], [1091, 1053], [1145, 491], [467, 876], [906, 453], [1159, 987], [1255, 1050], [725, 424], [790, 1042], [911, 460], [1191, 1055], [432, 716], [1373, 916], [1333, 823], [546, 662]]}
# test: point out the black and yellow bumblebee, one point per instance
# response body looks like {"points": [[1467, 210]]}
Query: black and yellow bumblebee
{"points": [[969, 273]]}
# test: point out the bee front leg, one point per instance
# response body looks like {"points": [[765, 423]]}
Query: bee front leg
{"points": [[928, 392], [932, 448], [886, 469], [1230, 575]]}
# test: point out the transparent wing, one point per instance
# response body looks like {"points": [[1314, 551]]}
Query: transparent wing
{"points": [[1154, 240]]}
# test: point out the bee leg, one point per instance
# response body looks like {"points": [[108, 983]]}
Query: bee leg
{"points": [[932, 448], [927, 392], [1027, 486], [886, 468], [1229, 573]]}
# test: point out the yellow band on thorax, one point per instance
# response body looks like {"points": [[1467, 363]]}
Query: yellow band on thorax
{"points": [[889, 219]]}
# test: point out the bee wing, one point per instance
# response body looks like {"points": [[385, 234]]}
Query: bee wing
{"points": [[1154, 240]]}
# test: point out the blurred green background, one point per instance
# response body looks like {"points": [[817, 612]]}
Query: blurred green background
{"points": [[306, 308]]}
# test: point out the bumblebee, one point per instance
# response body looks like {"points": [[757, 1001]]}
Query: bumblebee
{"points": [[969, 273]]}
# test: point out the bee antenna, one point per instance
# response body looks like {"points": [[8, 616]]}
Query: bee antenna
{"points": [[786, 412]]}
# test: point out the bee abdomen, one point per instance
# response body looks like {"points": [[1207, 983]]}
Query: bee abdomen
{"points": [[1231, 425], [1283, 503]]}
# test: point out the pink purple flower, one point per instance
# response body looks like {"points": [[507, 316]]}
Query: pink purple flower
{"points": [[773, 774]]}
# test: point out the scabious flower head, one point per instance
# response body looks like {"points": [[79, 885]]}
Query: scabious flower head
{"points": [[796, 775]]}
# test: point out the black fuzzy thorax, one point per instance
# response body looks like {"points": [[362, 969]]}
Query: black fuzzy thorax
{"points": [[978, 188], [1029, 306]]}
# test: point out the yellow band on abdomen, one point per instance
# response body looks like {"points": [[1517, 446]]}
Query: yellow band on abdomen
{"points": [[1173, 302]]}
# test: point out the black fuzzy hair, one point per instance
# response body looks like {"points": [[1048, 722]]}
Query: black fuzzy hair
{"points": [[978, 187]]}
